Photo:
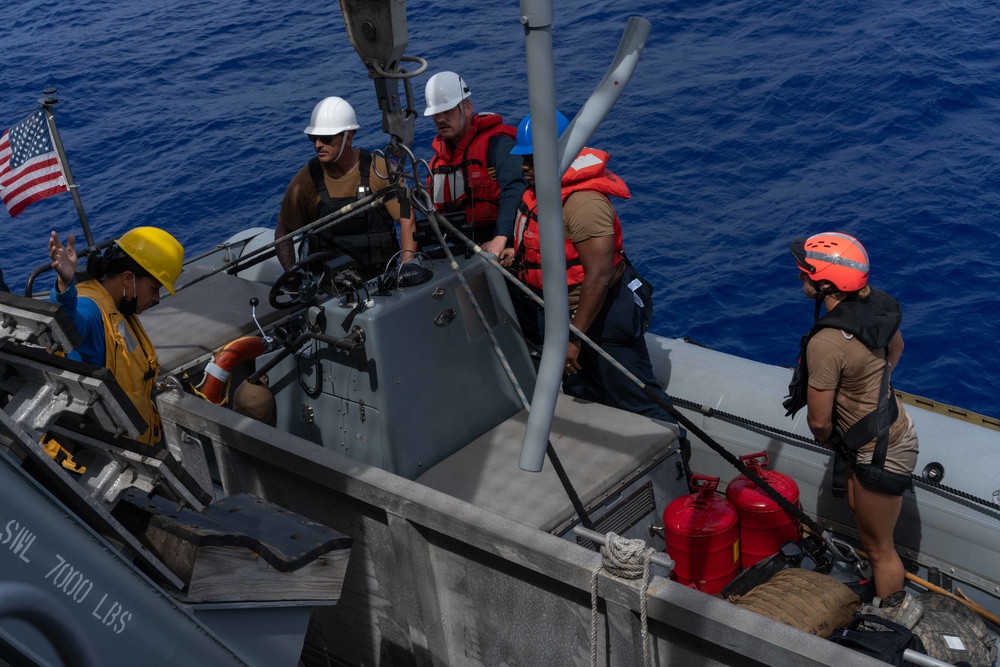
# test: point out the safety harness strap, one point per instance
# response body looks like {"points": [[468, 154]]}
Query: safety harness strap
{"points": [[873, 425]]}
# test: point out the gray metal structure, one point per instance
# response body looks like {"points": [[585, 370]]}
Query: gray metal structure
{"points": [[475, 562], [398, 426], [435, 580], [462, 566], [78, 540], [423, 384]]}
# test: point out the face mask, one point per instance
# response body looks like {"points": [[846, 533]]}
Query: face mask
{"points": [[128, 306]]}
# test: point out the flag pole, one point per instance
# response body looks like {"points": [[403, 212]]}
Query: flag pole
{"points": [[47, 103]]}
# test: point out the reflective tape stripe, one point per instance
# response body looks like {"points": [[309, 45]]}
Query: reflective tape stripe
{"points": [[219, 373], [838, 260]]}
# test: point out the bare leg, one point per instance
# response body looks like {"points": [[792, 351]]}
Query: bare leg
{"points": [[876, 514]]}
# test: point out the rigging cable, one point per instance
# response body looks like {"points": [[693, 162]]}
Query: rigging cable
{"points": [[319, 225], [797, 439]]}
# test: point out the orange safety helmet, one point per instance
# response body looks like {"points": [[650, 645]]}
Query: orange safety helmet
{"points": [[834, 257]]}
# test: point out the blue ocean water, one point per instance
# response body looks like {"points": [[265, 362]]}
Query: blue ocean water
{"points": [[747, 124]]}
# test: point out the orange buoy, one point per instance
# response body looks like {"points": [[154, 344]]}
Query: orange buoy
{"points": [[702, 536], [214, 386], [764, 525]]}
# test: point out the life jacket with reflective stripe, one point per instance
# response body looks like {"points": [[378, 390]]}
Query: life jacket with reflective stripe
{"points": [[370, 238], [461, 178], [588, 172], [130, 356]]}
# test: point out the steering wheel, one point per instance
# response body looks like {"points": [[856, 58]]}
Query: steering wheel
{"points": [[283, 286]]}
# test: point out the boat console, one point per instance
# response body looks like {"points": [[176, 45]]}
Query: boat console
{"points": [[406, 373]]}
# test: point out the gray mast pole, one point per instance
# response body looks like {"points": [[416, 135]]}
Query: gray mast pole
{"points": [[536, 16], [47, 103], [552, 159]]}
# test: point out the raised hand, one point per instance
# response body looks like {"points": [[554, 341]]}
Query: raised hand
{"points": [[64, 259]]}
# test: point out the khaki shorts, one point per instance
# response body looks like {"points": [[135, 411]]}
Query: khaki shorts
{"points": [[902, 456]]}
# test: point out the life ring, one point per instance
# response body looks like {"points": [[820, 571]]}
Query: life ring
{"points": [[217, 373]]}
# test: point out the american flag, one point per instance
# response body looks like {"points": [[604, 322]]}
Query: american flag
{"points": [[29, 166]]}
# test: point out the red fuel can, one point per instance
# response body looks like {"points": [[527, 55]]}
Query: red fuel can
{"points": [[764, 526], [702, 536]]}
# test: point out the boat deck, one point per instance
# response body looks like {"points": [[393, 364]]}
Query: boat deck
{"points": [[598, 445]]}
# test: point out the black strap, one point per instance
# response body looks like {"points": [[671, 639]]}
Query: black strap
{"points": [[316, 171], [876, 423], [364, 169], [873, 425], [838, 482]]}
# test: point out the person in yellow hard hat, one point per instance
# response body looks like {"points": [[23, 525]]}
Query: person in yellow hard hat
{"points": [[124, 281]]}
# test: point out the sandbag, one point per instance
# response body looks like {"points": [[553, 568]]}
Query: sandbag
{"points": [[952, 632], [809, 601]]}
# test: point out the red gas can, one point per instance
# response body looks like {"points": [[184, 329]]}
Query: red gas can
{"points": [[703, 537], [764, 526]]}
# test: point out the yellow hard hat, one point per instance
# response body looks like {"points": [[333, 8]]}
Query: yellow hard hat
{"points": [[156, 251]]}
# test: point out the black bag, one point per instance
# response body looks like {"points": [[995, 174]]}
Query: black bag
{"points": [[885, 645]]}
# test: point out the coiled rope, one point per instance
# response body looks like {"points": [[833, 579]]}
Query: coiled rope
{"points": [[625, 559]]}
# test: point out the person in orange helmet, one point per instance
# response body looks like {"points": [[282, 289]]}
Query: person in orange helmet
{"points": [[844, 382]]}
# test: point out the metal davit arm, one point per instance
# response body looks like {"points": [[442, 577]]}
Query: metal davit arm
{"points": [[536, 15], [611, 87], [550, 163]]}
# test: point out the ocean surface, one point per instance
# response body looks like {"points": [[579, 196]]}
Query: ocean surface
{"points": [[747, 124]]}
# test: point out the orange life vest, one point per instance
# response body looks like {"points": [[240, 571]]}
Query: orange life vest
{"points": [[461, 179], [588, 172], [130, 356]]}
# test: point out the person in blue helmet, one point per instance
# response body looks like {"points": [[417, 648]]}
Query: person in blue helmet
{"points": [[608, 299]]}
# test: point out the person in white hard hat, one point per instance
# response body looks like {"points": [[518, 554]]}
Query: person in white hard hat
{"points": [[472, 169], [338, 175]]}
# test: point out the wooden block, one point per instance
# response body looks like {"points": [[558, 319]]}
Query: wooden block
{"points": [[237, 574]]}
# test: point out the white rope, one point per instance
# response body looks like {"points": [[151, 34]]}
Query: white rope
{"points": [[625, 559]]}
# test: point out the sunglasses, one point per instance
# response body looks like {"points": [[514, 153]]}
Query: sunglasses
{"points": [[326, 140]]}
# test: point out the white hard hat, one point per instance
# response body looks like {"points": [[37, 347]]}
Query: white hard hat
{"points": [[444, 91], [332, 116]]}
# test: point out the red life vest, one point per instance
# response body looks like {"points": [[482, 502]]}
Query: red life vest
{"points": [[461, 179], [588, 172]]}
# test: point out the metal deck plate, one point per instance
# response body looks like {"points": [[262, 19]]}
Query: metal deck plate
{"points": [[598, 446]]}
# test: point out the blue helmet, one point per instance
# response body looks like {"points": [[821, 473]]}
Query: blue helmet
{"points": [[523, 145]]}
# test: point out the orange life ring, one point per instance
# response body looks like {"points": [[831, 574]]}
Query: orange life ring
{"points": [[217, 372]]}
